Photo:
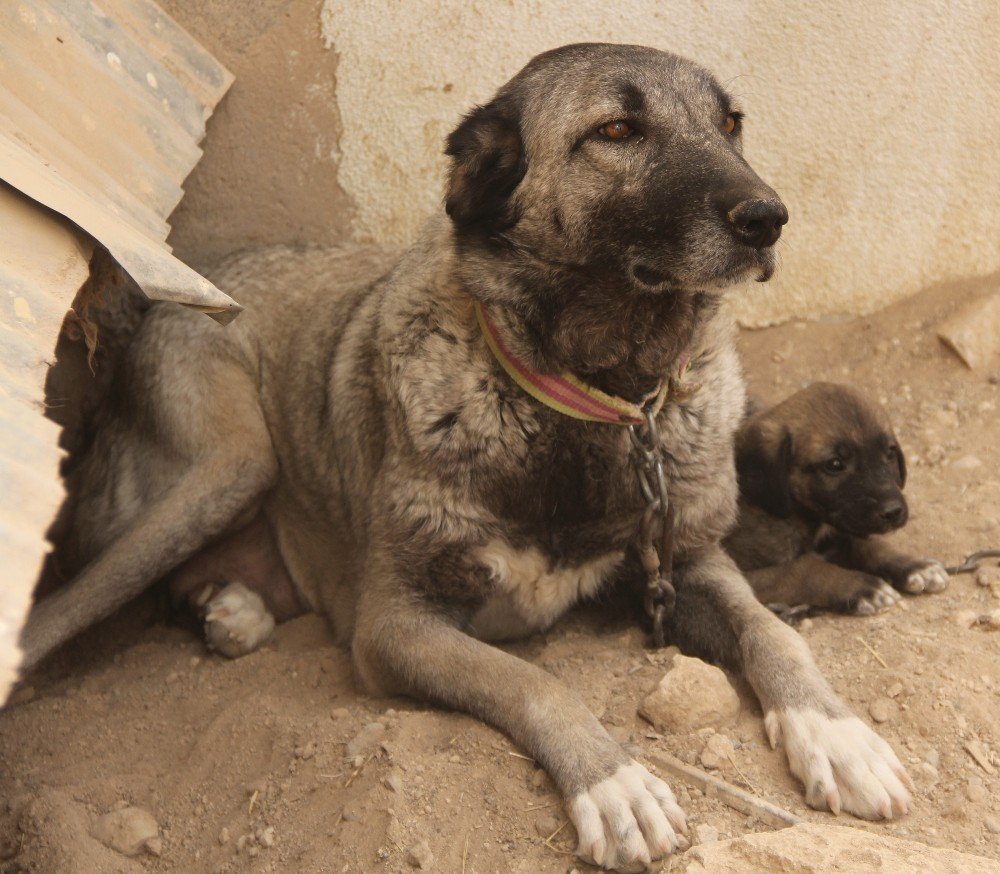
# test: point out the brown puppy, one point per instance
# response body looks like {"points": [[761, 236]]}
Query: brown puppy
{"points": [[821, 477]]}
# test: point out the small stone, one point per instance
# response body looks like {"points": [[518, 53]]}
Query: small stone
{"points": [[539, 778], [882, 709], [965, 618], [128, 831], [172, 678], [224, 835], [306, 751], [365, 740], [927, 774], [455, 759], [967, 462], [705, 833], [992, 824], [154, 846], [717, 752], [976, 792], [394, 782], [420, 856], [194, 661], [339, 713], [987, 577], [691, 695], [265, 837], [895, 690], [351, 814], [933, 757], [546, 825]]}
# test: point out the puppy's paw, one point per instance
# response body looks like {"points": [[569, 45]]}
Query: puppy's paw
{"points": [[873, 595], [842, 763], [625, 822], [925, 576], [236, 621]]}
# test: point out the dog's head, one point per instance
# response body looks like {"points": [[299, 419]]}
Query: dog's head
{"points": [[620, 163], [829, 453]]}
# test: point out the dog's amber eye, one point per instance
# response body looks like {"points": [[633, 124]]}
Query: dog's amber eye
{"points": [[617, 130], [732, 123], [834, 465]]}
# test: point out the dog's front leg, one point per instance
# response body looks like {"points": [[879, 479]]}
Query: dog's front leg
{"points": [[875, 555], [624, 816], [841, 762]]}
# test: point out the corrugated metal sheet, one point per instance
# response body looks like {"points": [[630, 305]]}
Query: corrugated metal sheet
{"points": [[102, 107]]}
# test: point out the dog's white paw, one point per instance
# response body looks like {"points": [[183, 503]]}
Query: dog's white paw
{"points": [[237, 621], [842, 763], [626, 821], [931, 577], [880, 597]]}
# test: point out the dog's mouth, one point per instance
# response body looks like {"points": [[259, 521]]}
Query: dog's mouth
{"points": [[734, 267]]}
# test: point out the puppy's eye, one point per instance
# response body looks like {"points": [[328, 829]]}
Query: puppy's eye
{"points": [[733, 123], [834, 465], [617, 130]]}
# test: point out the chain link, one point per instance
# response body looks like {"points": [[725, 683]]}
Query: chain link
{"points": [[656, 528]]}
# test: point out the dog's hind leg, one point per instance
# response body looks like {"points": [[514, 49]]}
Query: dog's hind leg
{"points": [[840, 760], [183, 458]]}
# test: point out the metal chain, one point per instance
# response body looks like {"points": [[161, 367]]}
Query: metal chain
{"points": [[656, 529]]}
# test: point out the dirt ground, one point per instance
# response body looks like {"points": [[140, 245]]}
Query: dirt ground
{"points": [[243, 763]]}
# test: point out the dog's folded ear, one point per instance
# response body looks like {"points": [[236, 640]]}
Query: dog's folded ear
{"points": [[763, 465], [488, 163]]}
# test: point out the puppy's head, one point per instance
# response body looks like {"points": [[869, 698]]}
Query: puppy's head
{"points": [[828, 453], [620, 163]]}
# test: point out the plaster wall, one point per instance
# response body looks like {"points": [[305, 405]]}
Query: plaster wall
{"points": [[875, 121]]}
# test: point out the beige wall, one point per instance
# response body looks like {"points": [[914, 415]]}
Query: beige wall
{"points": [[876, 122]]}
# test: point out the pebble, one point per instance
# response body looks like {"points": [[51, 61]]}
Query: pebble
{"points": [[539, 779], [340, 713], [224, 835], [975, 791], [967, 462], [986, 577], [265, 837], [129, 831], [420, 856], [350, 814], [546, 825], [933, 758], [705, 833], [882, 709], [306, 751], [394, 781], [691, 695], [895, 690], [365, 739], [927, 774], [717, 752], [992, 824]]}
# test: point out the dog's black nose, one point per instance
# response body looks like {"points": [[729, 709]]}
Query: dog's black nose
{"points": [[758, 223], [893, 512]]}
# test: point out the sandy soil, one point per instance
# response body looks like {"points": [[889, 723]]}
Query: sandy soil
{"points": [[242, 763]]}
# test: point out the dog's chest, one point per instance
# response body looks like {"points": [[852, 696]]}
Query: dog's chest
{"points": [[530, 590]]}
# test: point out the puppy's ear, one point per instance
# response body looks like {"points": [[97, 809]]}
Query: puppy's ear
{"points": [[763, 464], [487, 165], [901, 462]]}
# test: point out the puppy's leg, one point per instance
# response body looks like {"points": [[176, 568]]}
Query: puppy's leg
{"points": [[624, 816], [874, 555], [842, 763], [809, 579]]}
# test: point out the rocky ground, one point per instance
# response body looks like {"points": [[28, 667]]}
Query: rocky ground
{"points": [[134, 739]]}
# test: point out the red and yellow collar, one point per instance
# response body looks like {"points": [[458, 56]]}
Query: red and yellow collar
{"points": [[569, 395]]}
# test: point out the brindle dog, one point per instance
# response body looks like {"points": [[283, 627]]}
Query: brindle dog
{"points": [[821, 477], [599, 205]]}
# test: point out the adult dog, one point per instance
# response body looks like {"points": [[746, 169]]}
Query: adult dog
{"points": [[821, 479], [597, 208]]}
